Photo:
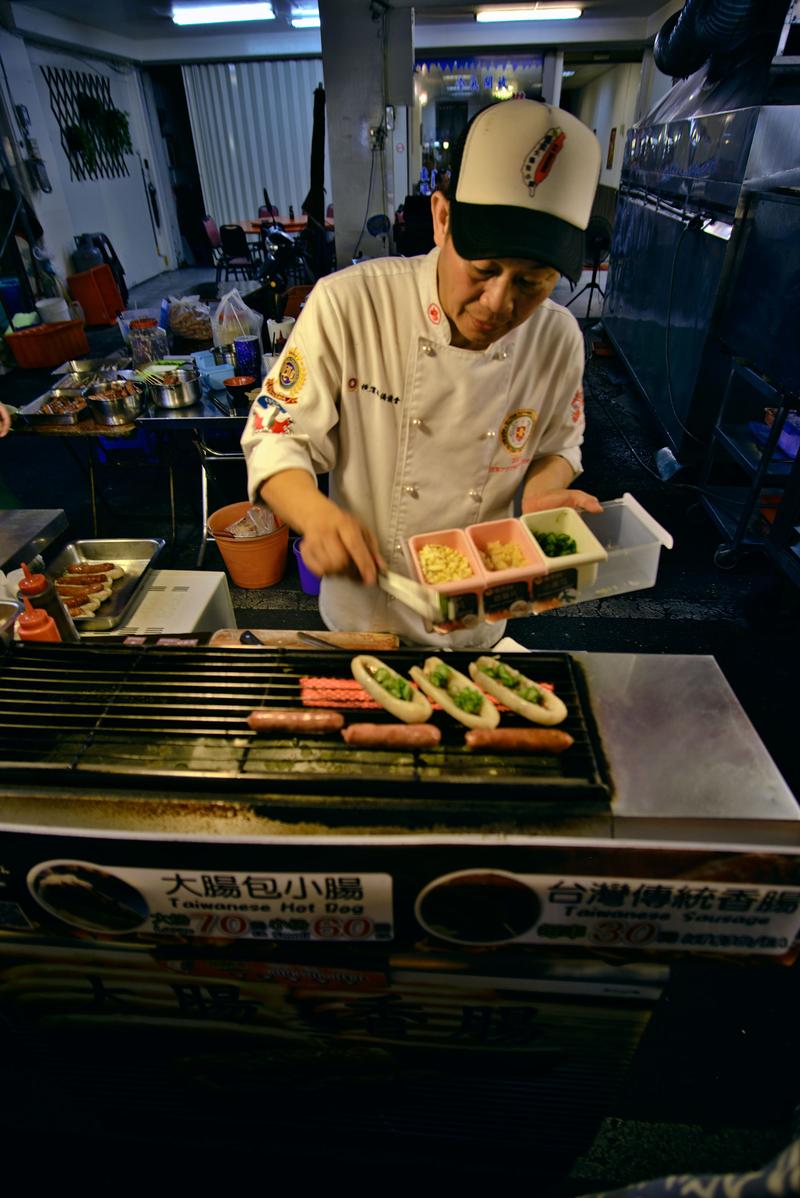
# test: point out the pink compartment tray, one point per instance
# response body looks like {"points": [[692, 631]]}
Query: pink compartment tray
{"points": [[451, 538]]}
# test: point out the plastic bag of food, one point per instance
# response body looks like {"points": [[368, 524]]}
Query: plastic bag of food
{"points": [[234, 319], [189, 317], [256, 522]]}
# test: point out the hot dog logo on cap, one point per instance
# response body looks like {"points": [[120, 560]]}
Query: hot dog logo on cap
{"points": [[540, 161], [517, 428]]}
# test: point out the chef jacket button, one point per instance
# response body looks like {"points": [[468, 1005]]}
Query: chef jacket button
{"points": [[410, 491], [417, 423], [491, 433], [398, 547], [475, 495], [428, 349], [501, 355]]}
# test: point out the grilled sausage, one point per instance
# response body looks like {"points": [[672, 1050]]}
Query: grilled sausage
{"points": [[107, 568], [99, 590], [519, 740], [295, 719], [81, 599], [393, 736]]}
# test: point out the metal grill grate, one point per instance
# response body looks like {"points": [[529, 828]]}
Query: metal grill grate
{"points": [[111, 714]]}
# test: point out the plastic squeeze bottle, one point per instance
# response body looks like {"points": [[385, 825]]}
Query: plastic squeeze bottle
{"points": [[42, 594], [35, 624]]}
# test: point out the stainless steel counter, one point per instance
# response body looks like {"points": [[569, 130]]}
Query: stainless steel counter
{"points": [[685, 760], [25, 533]]}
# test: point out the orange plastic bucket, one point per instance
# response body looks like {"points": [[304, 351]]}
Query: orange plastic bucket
{"points": [[252, 562]]}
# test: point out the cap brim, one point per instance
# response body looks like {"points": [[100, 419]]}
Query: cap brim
{"points": [[506, 231]]}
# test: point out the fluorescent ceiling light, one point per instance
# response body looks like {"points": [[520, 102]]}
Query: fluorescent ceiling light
{"points": [[531, 12], [567, 74], [220, 14], [305, 22]]}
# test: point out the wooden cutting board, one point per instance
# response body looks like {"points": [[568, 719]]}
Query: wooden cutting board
{"points": [[283, 638]]}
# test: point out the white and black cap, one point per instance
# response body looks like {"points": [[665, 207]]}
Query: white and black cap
{"points": [[522, 185]]}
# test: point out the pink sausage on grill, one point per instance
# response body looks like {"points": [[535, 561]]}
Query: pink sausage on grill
{"points": [[393, 736], [524, 740], [288, 719]]}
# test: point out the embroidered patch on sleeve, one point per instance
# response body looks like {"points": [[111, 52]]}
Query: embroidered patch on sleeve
{"points": [[269, 416], [516, 429], [279, 396], [291, 376], [577, 405]]}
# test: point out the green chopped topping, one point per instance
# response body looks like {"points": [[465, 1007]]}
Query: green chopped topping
{"points": [[501, 674], [393, 683], [556, 544], [440, 676], [531, 693], [468, 699]]}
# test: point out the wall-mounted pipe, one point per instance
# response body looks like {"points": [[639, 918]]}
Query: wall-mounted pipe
{"points": [[705, 28]]}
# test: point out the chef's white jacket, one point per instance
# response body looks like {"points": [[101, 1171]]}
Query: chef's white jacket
{"points": [[416, 434]]}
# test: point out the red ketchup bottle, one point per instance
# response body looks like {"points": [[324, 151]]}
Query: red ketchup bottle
{"points": [[42, 594], [36, 625]]}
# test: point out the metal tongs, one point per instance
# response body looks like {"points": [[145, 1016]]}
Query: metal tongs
{"points": [[426, 601]]}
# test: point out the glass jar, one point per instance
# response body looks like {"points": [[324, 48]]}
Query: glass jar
{"points": [[149, 342]]}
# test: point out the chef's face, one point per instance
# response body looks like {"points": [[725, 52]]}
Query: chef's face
{"points": [[485, 298]]}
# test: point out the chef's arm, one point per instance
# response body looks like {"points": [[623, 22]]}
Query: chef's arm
{"points": [[547, 484], [334, 542]]}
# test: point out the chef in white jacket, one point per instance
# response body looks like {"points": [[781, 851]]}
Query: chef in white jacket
{"points": [[433, 389]]}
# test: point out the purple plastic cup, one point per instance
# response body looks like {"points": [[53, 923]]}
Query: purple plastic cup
{"points": [[309, 582]]}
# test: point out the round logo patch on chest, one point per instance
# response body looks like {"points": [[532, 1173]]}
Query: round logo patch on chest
{"points": [[517, 428], [434, 314]]}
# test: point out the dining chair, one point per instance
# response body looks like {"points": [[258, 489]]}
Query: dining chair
{"points": [[239, 258], [215, 241]]}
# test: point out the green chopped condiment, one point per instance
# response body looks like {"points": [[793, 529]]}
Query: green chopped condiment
{"points": [[440, 676], [393, 683], [556, 544], [468, 699]]}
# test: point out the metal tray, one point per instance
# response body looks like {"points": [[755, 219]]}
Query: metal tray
{"points": [[31, 413], [115, 361], [134, 557]]}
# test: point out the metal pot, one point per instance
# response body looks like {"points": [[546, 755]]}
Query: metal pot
{"points": [[111, 403], [181, 393]]}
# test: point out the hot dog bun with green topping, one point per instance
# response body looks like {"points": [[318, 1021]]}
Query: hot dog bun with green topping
{"points": [[518, 693], [455, 694], [391, 690]]}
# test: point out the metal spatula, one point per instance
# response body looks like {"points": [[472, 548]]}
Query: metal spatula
{"points": [[426, 601]]}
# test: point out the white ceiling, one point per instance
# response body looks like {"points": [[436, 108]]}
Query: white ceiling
{"points": [[143, 21]]}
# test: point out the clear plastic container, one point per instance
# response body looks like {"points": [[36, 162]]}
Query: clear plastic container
{"points": [[148, 344], [633, 541]]}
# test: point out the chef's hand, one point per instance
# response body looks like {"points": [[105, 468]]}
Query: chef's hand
{"points": [[5, 421], [334, 541], [581, 501]]}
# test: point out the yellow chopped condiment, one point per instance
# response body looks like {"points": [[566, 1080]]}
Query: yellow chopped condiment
{"points": [[441, 564], [497, 556]]}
